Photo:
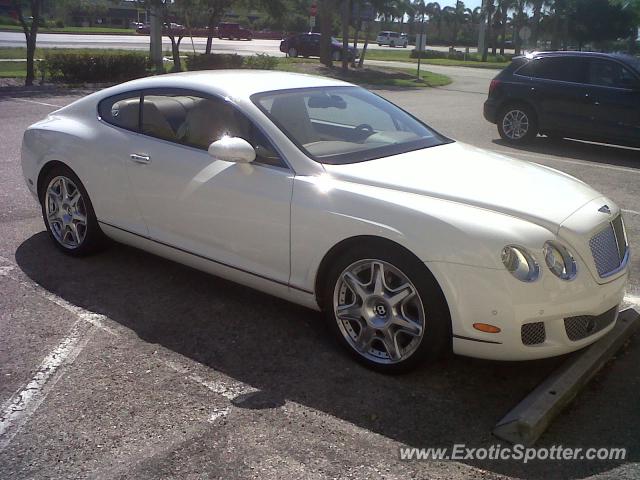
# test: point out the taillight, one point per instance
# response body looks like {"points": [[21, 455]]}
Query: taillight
{"points": [[494, 84]]}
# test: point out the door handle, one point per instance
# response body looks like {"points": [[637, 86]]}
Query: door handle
{"points": [[138, 158]]}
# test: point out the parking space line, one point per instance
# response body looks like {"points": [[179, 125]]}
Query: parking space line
{"points": [[566, 160], [26, 401], [632, 212], [34, 101]]}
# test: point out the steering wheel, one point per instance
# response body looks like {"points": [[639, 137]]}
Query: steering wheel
{"points": [[364, 130]]}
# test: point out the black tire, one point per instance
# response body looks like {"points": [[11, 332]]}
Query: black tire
{"points": [[94, 240], [518, 133], [293, 52], [336, 56], [436, 338]]}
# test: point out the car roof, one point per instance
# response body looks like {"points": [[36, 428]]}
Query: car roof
{"points": [[232, 83], [627, 59]]}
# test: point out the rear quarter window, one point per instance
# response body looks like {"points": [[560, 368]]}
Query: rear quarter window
{"points": [[122, 111], [564, 69]]}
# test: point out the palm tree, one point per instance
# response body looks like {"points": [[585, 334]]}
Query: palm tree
{"points": [[537, 7], [457, 17], [502, 11], [434, 11], [520, 18]]}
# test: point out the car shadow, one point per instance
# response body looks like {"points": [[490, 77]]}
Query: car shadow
{"points": [[580, 150], [285, 351]]}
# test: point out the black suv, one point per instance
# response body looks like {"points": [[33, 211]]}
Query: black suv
{"points": [[589, 96], [308, 45]]}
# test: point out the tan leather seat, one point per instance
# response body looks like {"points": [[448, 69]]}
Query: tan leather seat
{"points": [[206, 122], [291, 112], [154, 123], [125, 113]]}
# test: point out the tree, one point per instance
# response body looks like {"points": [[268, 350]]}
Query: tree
{"points": [[434, 11], [502, 11], [30, 26], [633, 9], [520, 18], [598, 21], [325, 10], [537, 7], [456, 17]]}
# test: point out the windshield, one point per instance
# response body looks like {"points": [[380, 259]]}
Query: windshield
{"points": [[338, 125]]}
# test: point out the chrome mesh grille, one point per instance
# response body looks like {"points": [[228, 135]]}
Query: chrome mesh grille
{"points": [[585, 325], [533, 333], [609, 247]]}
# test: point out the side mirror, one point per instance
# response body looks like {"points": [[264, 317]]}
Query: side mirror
{"points": [[232, 149]]}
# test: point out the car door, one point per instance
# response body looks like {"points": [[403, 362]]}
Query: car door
{"points": [[558, 92], [235, 214], [615, 100], [118, 129]]}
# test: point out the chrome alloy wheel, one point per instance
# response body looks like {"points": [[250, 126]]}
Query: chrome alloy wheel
{"points": [[66, 212], [379, 311], [515, 124]]}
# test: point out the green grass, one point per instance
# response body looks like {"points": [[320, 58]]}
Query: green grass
{"points": [[388, 77], [21, 52], [13, 69], [404, 55], [89, 30]]}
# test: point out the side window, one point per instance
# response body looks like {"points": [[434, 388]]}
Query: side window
{"points": [[606, 73], [199, 121], [122, 110], [565, 69]]}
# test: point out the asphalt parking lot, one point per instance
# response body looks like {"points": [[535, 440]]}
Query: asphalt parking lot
{"points": [[170, 372]]}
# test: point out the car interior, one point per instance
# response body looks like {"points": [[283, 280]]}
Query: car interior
{"points": [[191, 120]]}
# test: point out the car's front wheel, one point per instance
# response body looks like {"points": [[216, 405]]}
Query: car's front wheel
{"points": [[293, 53], [517, 124], [68, 213], [386, 308], [336, 56]]}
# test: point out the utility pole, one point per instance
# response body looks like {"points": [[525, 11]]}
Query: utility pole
{"points": [[482, 31], [345, 34], [155, 37], [421, 43]]}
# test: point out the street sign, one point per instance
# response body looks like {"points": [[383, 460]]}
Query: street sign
{"points": [[313, 10], [312, 22]]}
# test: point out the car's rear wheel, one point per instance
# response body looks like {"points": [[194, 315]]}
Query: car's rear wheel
{"points": [[68, 213], [517, 124], [293, 53], [336, 56], [386, 309], [392, 44]]}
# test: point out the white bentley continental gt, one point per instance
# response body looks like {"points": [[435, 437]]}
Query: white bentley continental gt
{"points": [[327, 195]]}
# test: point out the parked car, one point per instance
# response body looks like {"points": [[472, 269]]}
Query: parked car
{"points": [[327, 195], [393, 39], [233, 31], [175, 28], [590, 96], [308, 45]]}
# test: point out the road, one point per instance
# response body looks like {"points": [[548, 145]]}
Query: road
{"points": [[169, 372], [141, 42]]}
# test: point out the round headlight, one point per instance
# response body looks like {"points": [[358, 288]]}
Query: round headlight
{"points": [[520, 263], [560, 261]]}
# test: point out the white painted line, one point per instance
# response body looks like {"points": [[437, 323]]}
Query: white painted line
{"points": [[26, 401], [632, 212], [33, 101], [633, 300], [94, 319], [566, 160]]}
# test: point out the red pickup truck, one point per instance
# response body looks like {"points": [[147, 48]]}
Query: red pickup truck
{"points": [[233, 31]]}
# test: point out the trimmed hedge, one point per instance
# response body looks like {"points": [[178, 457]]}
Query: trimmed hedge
{"points": [[261, 61], [91, 68], [214, 61], [458, 55]]}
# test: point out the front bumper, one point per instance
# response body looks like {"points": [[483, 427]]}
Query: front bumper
{"points": [[494, 297]]}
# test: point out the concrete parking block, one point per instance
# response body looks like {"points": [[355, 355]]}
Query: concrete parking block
{"points": [[530, 418]]}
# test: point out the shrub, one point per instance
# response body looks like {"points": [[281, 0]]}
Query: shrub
{"points": [[261, 61], [459, 55], [5, 20], [59, 24], [214, 61], [91, 68]]}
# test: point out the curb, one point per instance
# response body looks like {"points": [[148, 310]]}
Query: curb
{"points": [[528, 420]]}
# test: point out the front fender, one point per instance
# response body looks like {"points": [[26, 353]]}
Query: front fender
{"points": [[326, 211]]}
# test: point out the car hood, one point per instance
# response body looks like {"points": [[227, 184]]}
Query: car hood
{"points": [[469, 175]]}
